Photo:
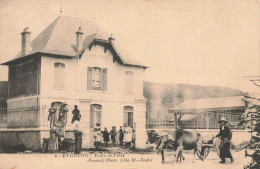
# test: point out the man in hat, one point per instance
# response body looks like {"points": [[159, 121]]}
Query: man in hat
{"points": [[52, 117], [78, 132], [113, 134], [75, 113], [225, 134]]}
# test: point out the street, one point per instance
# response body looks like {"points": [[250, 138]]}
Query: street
{"points": [[125, 160]]}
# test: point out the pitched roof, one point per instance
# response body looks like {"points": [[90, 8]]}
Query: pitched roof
{"points": [[222, 102], [59, 38]]}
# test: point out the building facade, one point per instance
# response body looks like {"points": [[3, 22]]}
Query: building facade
{"points": [[75, 62]]}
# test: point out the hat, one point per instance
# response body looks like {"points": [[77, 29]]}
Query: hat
{"points": [[222, 119], [98, 124]]}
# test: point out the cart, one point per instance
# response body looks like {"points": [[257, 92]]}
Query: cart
{"points": [[205, 146]]}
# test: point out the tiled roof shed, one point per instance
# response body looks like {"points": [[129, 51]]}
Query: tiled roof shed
{"points": [[211, 103]]}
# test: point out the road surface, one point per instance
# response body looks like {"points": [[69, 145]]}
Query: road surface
{"points": [[115, 160]]}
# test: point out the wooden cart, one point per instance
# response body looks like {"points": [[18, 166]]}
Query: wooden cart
{"points": [[204, 150]]}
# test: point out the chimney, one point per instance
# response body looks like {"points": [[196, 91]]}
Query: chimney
{"points": [[26, 41], [111, 38], [79, 42]]}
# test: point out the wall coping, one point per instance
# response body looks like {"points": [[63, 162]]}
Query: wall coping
{"points": [[24, 129], [207, 130]]}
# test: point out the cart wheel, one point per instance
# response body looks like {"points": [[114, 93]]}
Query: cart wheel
{"points": [[203, 154], [217, 145]]}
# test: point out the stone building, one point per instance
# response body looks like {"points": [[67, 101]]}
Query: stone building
{"points": [[72, 61]]}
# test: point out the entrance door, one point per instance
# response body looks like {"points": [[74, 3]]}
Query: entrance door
{"points": [[128, 115]]}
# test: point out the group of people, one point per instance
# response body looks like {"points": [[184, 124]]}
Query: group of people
{"points": [[58, 120], [125, 136]]}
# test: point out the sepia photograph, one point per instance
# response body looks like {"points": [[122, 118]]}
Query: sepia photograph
{"points": [[129, 84]]}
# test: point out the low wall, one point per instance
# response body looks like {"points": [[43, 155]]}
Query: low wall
{"points": [[11, 140], [238, 136]]}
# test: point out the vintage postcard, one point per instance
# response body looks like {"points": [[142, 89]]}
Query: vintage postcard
{"points": [[129, 84]]}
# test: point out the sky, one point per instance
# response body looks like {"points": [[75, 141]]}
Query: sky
{"points": [[204, 42]]}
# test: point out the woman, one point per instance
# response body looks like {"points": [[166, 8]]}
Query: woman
{"points": [[128, 136], [106, 136]]}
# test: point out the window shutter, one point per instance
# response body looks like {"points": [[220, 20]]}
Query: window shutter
{"points": [[89, 79], [91, 124], [104, 79]]}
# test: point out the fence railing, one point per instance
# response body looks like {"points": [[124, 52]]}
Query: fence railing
{"points": [[26, 117], [199, 122]]}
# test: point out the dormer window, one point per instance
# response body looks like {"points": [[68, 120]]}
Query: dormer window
{"points": [[97, 78]]}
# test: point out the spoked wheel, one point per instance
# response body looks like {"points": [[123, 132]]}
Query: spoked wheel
{"points": [[203, 154], [217, 145]]}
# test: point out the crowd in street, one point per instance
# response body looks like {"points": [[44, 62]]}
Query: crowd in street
{"points": [[124, 137]]}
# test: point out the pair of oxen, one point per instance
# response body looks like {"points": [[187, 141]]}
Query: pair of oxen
{"points": [[177, 140]]}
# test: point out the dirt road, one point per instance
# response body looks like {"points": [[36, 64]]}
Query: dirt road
{"points": [[112, 159]]}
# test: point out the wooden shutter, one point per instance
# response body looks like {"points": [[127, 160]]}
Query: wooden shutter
{"points": [[89, 79], [91, 124], [104, 79]]}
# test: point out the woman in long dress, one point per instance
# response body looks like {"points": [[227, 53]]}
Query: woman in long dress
{"points": [[128, 136]]}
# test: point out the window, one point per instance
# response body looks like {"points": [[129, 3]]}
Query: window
{"points": [[95, 114], [128, 115], [59, 74], [97, 78], [129, 82]]}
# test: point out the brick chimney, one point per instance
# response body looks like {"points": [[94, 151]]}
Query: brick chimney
{"points": [[26, 41], [79, 42]]}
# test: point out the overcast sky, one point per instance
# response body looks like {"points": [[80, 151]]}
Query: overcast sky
{"points": [[205, 42]]}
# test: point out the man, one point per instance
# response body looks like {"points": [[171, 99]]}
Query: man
{"points": [[63, 110], [52, 118], [133, 134], [121, 136], [113, 134], [77, 133], [75, 113], [225, 134]]}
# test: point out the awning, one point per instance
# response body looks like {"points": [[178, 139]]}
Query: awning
{"points": [[188, 117]]}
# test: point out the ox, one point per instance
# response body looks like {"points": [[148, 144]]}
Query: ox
{"points": [[178, 140]]}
